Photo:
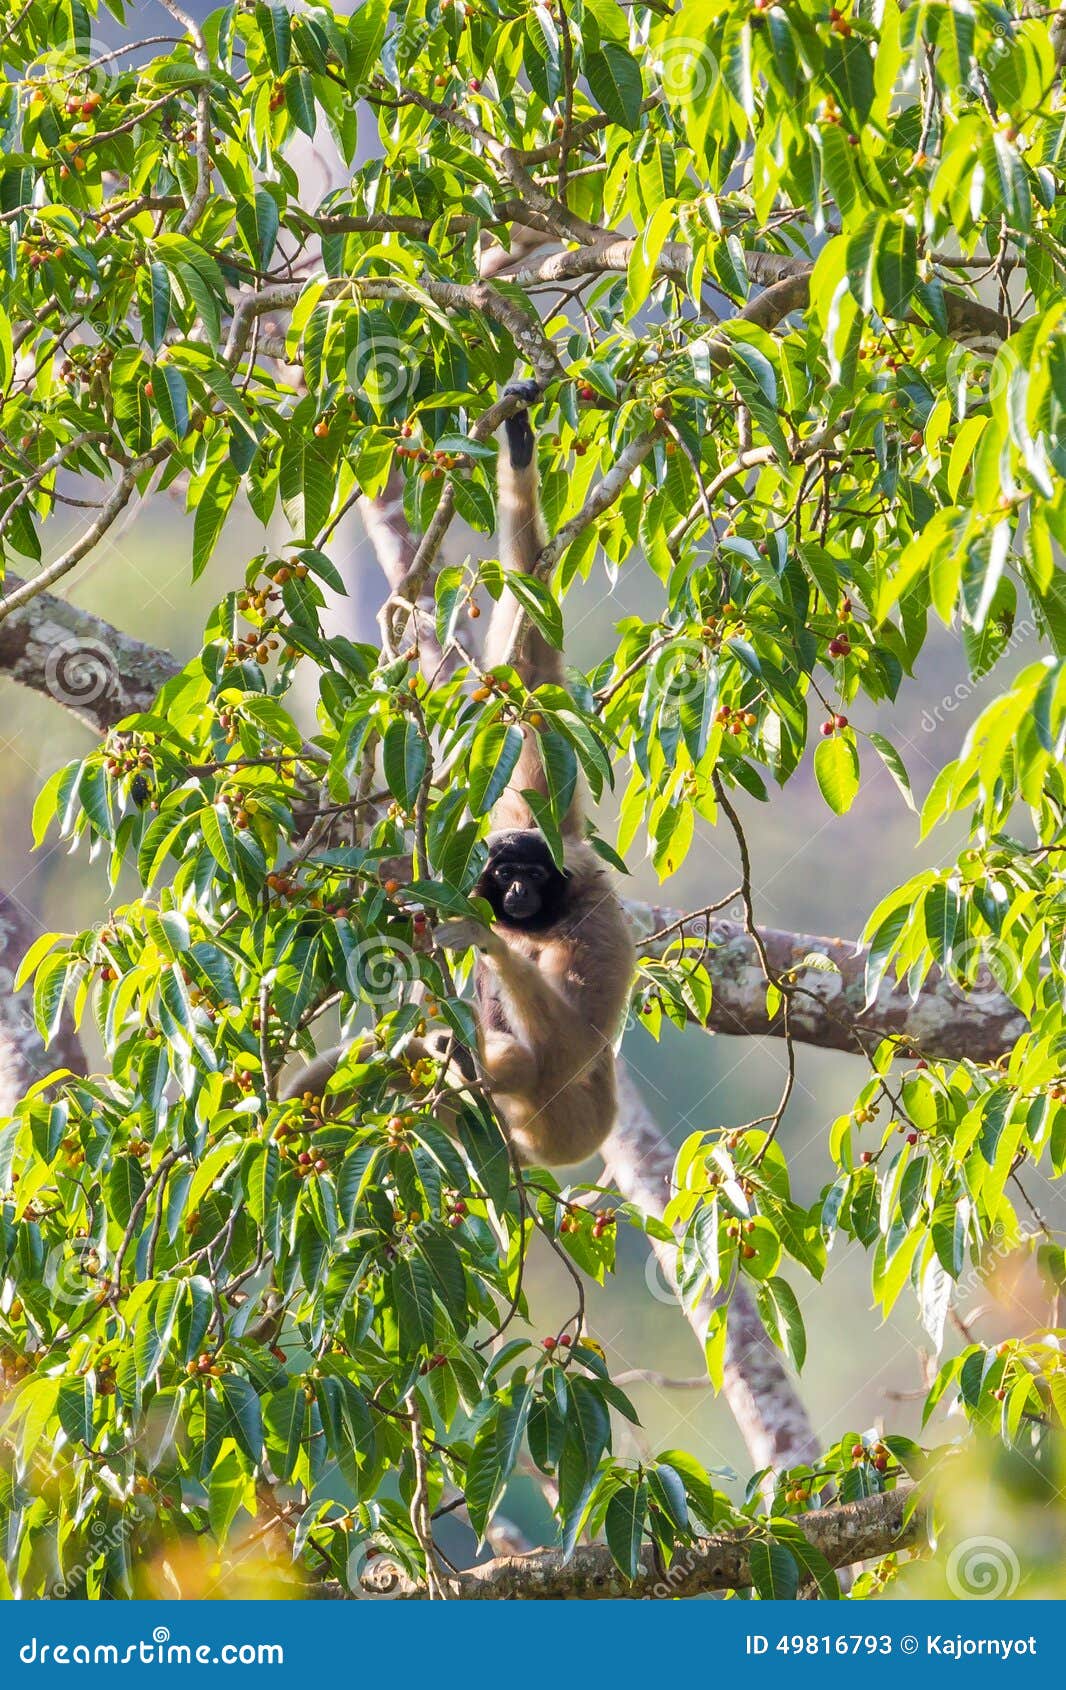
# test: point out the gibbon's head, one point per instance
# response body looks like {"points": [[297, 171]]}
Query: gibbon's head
{"points": [[521, 881]]}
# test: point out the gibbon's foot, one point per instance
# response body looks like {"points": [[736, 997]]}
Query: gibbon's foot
{"points": [[444, 1046], [465, 933], [529, 390]]}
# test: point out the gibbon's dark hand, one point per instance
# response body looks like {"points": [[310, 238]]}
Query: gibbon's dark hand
{"points": [[528, 391]]}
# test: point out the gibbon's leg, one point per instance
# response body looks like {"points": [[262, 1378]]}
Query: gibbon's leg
{"points": [[316, 1076], [510, 1067]]}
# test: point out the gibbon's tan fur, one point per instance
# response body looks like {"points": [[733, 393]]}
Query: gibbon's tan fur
{"points": [[555, 968]]}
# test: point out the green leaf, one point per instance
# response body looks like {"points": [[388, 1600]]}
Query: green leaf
{"points": [[286, 1416], [306, 483], [714, 1345], [895, 265], [300, 101], [941, 909], [666, 1487], [774, 1572], [849, 67], [624, 1526], [155, 325], [171, 397], [219, 836], [258, 221], [494, 757], [615, 84], [260, 1179], [949, 1230], [211, 513], [536, 600], [412, 1292], [275, 24], [446, 1271], [894, 764], [243, 1420], [125, 1186], [782, 1318], [405, 759], [836, 769]]}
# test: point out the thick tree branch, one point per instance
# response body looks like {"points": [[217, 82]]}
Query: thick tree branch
{"points": [[202, 191], [828, 1006], [100, 675], [851, 1532], [784, 280], [763, 1400], [91, 668]]}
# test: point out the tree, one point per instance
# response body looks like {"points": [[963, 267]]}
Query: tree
{"points": [[792, 278]]}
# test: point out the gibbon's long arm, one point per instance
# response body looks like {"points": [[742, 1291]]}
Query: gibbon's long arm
{"points": [[522, 538]]}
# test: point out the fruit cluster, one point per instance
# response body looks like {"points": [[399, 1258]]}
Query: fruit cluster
{"points": [[734, 721]]}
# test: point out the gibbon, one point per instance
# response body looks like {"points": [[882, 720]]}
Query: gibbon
{"points": [[555, 968]]}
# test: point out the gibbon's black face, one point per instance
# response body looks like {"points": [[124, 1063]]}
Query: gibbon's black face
{"points": [[522, 883]]}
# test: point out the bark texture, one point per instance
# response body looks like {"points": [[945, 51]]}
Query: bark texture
{"points": [[944, 1021], [95, 672], [851, 1532]]}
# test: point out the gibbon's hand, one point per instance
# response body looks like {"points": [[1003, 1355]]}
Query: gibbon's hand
{"points": [[528, 390], [465, 933]]}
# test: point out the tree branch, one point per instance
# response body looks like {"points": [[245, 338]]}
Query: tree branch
{"points": [[109, 510], [848, 1533], [202, 191], [89, 667], [762, 1399], [828, 1006]]}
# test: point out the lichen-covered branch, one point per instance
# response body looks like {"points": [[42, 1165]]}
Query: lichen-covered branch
{"points": [[846, 1534], [113, 506], [90, 668], [99, 674], [828, 1006]]}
